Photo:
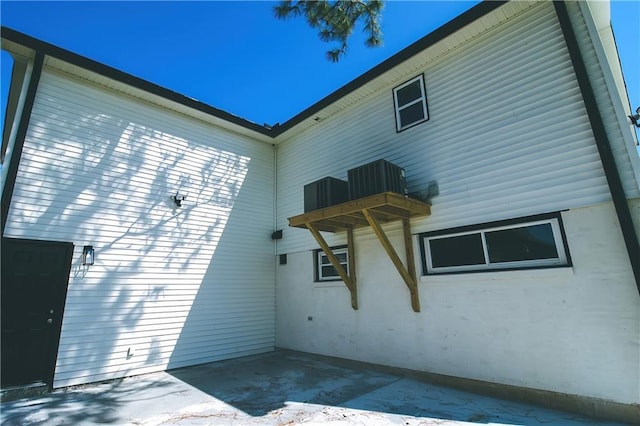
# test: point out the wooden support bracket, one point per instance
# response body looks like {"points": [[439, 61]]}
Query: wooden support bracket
{"points": [[349, 280], [367, 211], [409, 273]]}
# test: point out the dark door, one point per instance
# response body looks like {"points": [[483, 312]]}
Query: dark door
{"points": [[34, 276]]}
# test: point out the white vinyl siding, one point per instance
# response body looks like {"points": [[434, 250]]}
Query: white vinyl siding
{"points": [[525, 142], [170, 285]]}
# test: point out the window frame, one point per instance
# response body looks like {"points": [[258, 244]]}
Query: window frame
{"points": [[318, 254], [423, 99], [554, 219]]}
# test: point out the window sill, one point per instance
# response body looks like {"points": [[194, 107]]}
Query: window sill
{"points": [[328, 284], [506, 275]]}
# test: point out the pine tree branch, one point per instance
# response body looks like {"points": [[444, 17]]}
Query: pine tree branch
{"points": [[335, 21]]}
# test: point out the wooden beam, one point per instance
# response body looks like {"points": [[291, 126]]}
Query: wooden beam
{"points": [[372, 210], [397, 206], [411, 264], [354, 219], [409, 280], [348, 281], [351, 253], [327, 227], [393, 212]]}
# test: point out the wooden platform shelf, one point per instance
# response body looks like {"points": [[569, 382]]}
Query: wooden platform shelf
{"points": [[369, 211]]}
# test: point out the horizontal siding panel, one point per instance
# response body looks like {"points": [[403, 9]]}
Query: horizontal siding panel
{"points": [[117, 356], [117, 371], [100, 168], [159, 342], [507, 127], [167, 340], [622, 145]]}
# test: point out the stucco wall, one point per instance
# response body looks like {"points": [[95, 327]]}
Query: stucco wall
{"points": [[574, 330]]}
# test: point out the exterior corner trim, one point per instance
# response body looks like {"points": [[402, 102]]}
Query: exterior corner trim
{"points": [[14, 161], [603, 143]]}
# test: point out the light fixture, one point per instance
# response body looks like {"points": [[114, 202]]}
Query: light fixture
{"points": [[88, 255], [179, 198], [635, 118]]}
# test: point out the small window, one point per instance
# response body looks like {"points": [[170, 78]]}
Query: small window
{"points": [[410, 102], [524, 243], [325, 270]]}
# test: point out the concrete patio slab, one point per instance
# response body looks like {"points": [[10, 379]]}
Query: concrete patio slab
{"points": [[278, 388]]}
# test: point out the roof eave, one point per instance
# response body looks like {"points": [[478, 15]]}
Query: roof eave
{"points": [[53, 51], [413, 49], [274, 132]]}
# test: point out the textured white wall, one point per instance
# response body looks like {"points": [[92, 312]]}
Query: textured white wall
{"points": [[573, 330]]}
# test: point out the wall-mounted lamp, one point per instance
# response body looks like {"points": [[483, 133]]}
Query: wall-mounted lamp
{"points": [[635, 118], [179, 198], [88, 255]]}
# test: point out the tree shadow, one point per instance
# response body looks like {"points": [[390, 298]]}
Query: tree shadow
{"points": [[100, 169], [91, 404]]}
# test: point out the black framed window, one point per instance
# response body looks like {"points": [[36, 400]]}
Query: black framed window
{"points": [[324, 270], [410, 101], [459, 250], [516, 244]]}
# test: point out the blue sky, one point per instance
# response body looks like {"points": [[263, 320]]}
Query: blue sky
{"points": [[237, 57]]}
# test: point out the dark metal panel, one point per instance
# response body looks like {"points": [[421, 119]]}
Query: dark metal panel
{"points": [[35, 277]]}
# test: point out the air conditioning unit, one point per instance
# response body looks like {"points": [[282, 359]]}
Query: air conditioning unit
{"points": [[376, 177], [325, 192]]}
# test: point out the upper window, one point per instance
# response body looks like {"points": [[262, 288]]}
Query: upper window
{"points": [[325, 270], [525, 243], [410, 100]]}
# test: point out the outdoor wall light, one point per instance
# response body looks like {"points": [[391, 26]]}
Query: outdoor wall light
{"points": [[88, 255], [635, 118], [179, 198]]}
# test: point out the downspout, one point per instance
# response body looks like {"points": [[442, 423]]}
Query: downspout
{"points": [[602, 142], [275, 243], [13, 158], [275, 195]]}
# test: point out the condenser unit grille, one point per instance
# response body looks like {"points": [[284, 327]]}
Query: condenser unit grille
{"points": [[325, 192], [376, 177]]}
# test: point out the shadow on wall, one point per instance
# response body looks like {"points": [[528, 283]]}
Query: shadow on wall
{"points": [[233, 312], [90, 176]]}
